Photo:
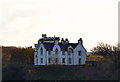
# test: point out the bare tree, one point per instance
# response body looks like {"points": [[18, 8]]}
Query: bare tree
{"points": [[116, 48], [102, 49]]}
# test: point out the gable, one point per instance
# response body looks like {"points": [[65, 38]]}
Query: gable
{"points": [[41, 46], [80, 47], [56, 46]]}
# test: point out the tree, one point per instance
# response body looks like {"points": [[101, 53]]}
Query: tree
{"points": [[102, 49], [116, 48], [112, 52]]}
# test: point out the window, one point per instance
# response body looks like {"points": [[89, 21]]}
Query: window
{"points": [[56, 51], [63, 60], [49, 60], [79, 53], [41, 60], [70, 51], [37, 60], [79, 60], [56, 60], [63, 52], [49, 51], [41, 51], [69, 61]]}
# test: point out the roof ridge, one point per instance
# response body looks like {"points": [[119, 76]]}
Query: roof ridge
{"points": [[61, 45]]}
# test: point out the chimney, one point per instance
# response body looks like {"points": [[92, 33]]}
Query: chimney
{"points": [[62, 40], [66, 40], [43, 35], [56, 40], [80, 41]]}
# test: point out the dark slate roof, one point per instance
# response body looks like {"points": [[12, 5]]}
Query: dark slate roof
{"points": [[62, 46], [46, 39], [49, 39], [73, 45], [48, 46]]}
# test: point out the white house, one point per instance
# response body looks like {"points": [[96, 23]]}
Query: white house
{"points": [[49, 51]]}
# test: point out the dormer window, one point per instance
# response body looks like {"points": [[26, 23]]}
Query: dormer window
{"points": [[70, 51], [41, 50], [79, 53], [56, 51]]}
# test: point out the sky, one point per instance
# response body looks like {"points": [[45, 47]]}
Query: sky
{"points": [[22, 22]]}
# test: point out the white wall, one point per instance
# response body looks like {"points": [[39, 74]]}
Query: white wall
{"points": [[42, 56], [60, 55], [83, 54]]}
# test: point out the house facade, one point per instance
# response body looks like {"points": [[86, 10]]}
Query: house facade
{"points": [[50, 51]]}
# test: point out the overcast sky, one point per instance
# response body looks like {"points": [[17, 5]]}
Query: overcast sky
{"points": [[22, 22]]}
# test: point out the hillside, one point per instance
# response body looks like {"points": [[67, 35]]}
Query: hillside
{"points": [[18, 65], [94, 57]]}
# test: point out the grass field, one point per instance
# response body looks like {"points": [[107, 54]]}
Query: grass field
{"points": [[94, 58]]}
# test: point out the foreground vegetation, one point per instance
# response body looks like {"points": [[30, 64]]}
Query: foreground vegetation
{"points": [[18, 65]]}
